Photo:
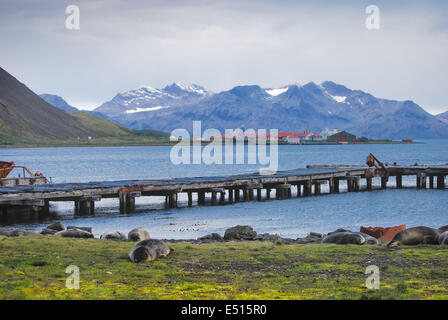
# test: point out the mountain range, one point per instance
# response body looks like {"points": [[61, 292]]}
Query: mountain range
{"points": [[295, 107], [311, 106]]}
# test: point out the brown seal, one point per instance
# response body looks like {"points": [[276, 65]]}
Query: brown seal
{"points": [[415, 236]]}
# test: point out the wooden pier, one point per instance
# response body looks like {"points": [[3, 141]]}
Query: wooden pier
{"points": [[219, 189]]}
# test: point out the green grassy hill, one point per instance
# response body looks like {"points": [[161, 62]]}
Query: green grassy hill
{"points": [[27, 120], [100, 127]]}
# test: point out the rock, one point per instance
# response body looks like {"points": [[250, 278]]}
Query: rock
{"points": [[315, 235], [306, 240], [289, 241], [267, 237], [211, 237], [240, 233], [58, 226], [15, 233], [5, 232], [344, 238], [114, 235], [47, 231], [75, 233], [21, 233], [88, 229], [138, 234], [443, 238], [148, 250]]}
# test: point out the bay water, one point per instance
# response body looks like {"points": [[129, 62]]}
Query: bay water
{"points": [[289, 218]]}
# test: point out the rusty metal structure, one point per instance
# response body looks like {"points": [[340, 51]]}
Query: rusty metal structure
{"points": [[31, 179], [5, 168], [380, 169]]}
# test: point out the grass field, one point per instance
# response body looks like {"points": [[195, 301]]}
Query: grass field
{"points": [[34, 268]]}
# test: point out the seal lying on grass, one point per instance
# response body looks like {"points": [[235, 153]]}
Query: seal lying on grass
{"points": [[344, 238], [443, 238], [415, 236], [138, 234], [348, 237], [148, 250], [74, 233], [369, 238], [114, 235]]}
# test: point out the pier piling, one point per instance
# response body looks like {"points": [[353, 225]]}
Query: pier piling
{"points": [[383, 182], [190, 199], [440, 182], [399, 181], [369, 183]]}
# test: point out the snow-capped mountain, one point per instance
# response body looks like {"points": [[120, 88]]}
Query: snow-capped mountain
{"points": [[290, 108], [147, 98], [443, 117]]}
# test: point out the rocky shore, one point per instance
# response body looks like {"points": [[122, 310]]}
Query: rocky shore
{"points": [[148, 249]]}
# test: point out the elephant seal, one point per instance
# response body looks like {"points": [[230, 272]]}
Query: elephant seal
{"points": [[369, 238], [415, 236], [88, 229], [138, 234], [148, 250], [114, 235], [74, 233], [345, 238], [339, 230], [443, 238], [443, 229]]}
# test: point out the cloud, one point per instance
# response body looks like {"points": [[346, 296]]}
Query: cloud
{"points": [[219, 44]]}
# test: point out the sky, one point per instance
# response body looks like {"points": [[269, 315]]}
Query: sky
{"points": [[122, 45]]}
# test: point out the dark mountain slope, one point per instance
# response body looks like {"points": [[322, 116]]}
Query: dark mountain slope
{"points": [[24, 113]]}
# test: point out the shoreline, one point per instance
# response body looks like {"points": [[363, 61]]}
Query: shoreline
{"points": [[168, 144]]}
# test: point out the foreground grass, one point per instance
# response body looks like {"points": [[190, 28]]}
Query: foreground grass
{"points": [[34, 268]]}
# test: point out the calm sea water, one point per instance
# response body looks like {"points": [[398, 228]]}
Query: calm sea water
{"points": [[289, 218]]}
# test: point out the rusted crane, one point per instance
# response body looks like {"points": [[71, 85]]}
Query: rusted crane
{"points": [[380, 169], [7, 167]]}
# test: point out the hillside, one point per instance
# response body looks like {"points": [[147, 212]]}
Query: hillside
{"points": [[24, 114], [26, 119], [100, 126], [291, 108]]}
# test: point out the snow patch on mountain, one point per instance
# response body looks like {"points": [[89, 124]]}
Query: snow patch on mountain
{"points": [[146, 109], [276, 92], [340, 99], [191, 88]]}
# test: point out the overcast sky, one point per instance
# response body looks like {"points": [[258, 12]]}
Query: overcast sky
{"points": [[220, 44]]}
